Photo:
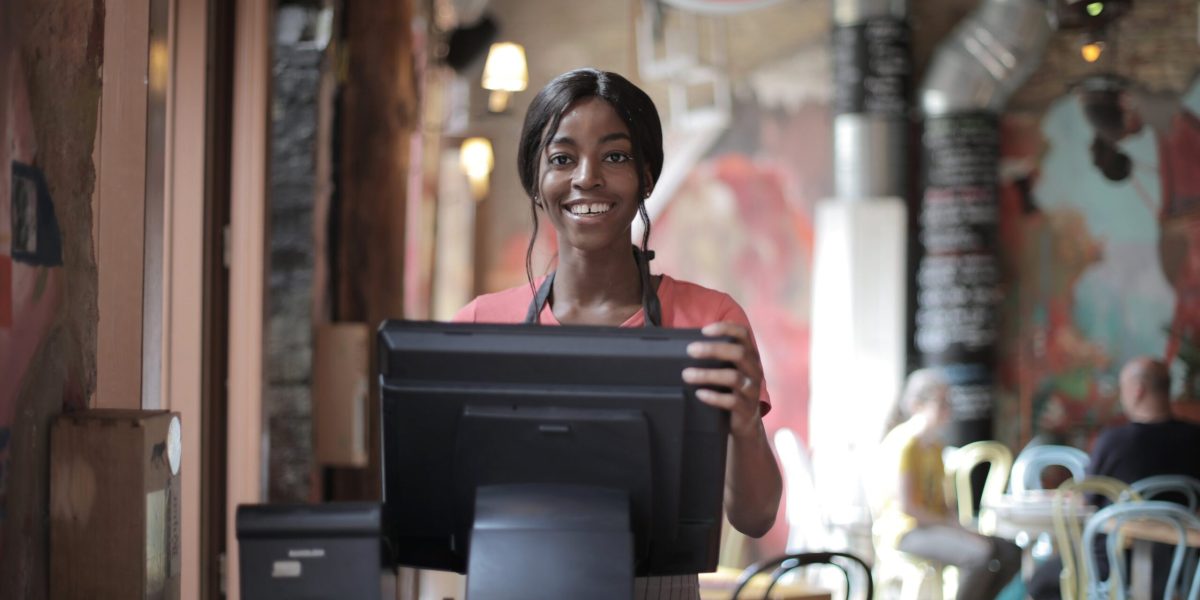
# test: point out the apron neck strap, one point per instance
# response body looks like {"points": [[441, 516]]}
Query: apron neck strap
{"points": [[650, 303]]}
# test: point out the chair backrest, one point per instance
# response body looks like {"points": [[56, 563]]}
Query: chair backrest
{"points": [[962, 461], [734, 551], [1153, 488], [1068, 513], [1110, 520], [1027, 468], [781, 565], [806, 523]]}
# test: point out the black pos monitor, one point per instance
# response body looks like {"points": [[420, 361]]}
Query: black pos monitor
{"points": [[548, 461]]}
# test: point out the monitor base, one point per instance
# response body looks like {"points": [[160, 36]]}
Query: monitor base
{"points": [[550, 541]]}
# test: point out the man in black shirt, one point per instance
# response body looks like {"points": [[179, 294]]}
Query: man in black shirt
{"points": [[1152, 443]]}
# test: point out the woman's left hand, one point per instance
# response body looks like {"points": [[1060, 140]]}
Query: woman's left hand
{"points": [[744, 380]]}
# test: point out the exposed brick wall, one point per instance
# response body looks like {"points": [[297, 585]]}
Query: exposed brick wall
{"points": [[297, 68]]}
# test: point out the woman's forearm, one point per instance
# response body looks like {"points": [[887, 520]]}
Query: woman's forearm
{"points": [[753, 485]]}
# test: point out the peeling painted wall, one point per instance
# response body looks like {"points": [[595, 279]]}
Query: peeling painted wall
{"points": [[50, 58]]}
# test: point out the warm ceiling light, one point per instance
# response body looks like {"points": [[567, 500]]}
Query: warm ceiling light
{"points": [[504, 72], [1091, 52], [475, 158]]}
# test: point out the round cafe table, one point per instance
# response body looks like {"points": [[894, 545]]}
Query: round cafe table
{"points": [[1028, 516]]}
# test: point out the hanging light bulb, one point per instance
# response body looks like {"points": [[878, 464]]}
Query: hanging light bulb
{"points": [[504, 72], [476, 159], [1091, 51]]}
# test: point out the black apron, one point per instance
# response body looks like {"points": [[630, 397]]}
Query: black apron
{"points": [[650, 303]]}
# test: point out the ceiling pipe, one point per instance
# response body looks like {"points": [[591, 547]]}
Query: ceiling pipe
{"points": [[957, 287], [987, 57]]}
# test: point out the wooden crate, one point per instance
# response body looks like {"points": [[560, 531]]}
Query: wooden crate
{"points": [[114, 505]]}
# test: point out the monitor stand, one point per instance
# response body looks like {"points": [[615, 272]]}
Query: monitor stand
{"points": [[550, 541]]}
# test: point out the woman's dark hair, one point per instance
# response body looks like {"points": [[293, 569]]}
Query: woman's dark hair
{"points": [[545, 112]]}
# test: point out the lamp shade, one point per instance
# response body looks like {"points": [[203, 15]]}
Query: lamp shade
{"points": [[475, 156], [505, 69]]}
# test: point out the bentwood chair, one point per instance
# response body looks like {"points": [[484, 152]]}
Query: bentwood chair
{"points": [[1181, 486], [807, 527], [1069, 511], [1175, 488], [1110, 520], [851, 566], [1027, 468], [962, 461]]}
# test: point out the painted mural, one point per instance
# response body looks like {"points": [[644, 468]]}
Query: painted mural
{"points": [[1101, 219], [31, 278], [743, 223]]}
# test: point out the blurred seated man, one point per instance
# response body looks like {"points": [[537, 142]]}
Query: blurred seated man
{"points": [[914, 516], [1152, 443]]}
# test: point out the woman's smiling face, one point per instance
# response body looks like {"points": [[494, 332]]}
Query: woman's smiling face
{"points": [[588, 181]]}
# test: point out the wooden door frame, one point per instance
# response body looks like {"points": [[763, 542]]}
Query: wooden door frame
{"points": [[217, 150], [186, 200], [247, 271]]}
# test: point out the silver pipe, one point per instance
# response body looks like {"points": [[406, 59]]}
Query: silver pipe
{"points": [[868, 147], [987, 57]]}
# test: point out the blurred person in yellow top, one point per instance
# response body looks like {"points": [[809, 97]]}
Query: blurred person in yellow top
{"points": [[913, 514]]}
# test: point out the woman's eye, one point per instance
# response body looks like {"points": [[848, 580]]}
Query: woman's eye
{"points": [[619, 157], [560, 159]]}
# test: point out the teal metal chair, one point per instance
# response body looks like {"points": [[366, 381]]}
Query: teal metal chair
{"points": [[1110, 520], [1155, 487], [1175, 488], [1029, 464]]}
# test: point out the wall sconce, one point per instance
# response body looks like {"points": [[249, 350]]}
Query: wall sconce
{"points": [[504, 72], [475, 158]]}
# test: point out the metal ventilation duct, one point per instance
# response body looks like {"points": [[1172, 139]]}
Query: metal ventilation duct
{"points": [[987, 57], [957, 279]]}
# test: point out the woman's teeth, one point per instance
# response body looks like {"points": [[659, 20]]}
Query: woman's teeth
{"points": [[589, 209]]}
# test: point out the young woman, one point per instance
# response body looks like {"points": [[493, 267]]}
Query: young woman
{"points": [[590, 153]]}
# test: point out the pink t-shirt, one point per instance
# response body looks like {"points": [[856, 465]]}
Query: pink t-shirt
{"points": [[685, 305]]}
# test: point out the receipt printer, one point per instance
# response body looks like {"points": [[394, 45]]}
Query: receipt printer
{"points": [[310, 551]]}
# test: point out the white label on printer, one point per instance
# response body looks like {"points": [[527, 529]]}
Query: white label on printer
{"points": [[286, 568], [307, 553]]}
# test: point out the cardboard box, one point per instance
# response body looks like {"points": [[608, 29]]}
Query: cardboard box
{"points": [[114, 505], [341, 385]]}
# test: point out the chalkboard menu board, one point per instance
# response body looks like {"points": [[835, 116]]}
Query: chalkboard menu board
{"points": [[872, 67], [957, 278]]}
